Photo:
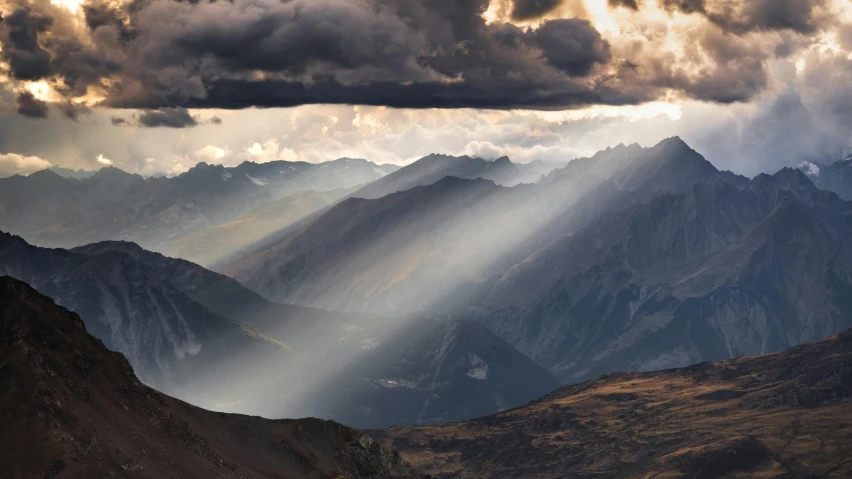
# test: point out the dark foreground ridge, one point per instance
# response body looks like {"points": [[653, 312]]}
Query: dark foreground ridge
{"points": [[72, 408], [781, 415]]}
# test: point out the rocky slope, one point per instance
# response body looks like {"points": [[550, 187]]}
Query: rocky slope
{"points": [[715, 272], [780, 415], [74, 409]]}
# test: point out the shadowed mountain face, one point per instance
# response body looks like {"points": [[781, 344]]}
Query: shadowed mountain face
{"points": [[74, 409], [51, 210], [174, 342], [779, 415], [713, 273], [417, 373], [346, 366]]}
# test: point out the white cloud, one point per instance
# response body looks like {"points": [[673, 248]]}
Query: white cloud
{"points": [[210, 154], [810, 168], [104, 160], [13, 164]]}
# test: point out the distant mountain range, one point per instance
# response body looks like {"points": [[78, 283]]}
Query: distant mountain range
{"points": [[50, 209], [74, 409]]}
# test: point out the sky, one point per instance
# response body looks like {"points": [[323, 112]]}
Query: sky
{"points": [[155, 86]]}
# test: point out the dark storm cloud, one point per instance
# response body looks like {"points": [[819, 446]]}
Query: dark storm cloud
{"points": [[631, 4], [160, 54], [741, 17], [573, 46], [530, 9], [19, 33], [167, 117], [30, 106]]}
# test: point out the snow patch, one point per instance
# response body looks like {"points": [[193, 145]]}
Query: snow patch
{"points": [[226, 175], [480, 367], [256, 181], [379, 171]]}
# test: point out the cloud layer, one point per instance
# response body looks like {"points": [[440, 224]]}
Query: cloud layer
{"points": [[400, 53], [12, 164]]}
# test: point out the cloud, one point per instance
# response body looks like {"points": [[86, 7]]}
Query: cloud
{"points": [[530, 9], [740, 17], [167, 117], [13, 164], [104, 161], [630, 4], [171, 56], [30, 106]]}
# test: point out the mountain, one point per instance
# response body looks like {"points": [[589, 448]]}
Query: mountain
{"points": [[74, 409], [671, 166], [430, 247], [780, 415], [430, 169], [355, 360], [836, 177], [419, 373], [214, 244], [71, 173], [173, 342], [50, 210], [440, 245], [712, 273]]}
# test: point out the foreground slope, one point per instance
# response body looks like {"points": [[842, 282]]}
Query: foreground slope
{"points": [[780, 415], [74, 409]]}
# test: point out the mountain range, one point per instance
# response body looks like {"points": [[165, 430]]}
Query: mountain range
{"points": [[633, 259], [75, 409], [72, 408], [451, 289], [188, 331], [70, 210]]}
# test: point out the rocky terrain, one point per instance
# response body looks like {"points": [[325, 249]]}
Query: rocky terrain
{"points": [[72, 408], [779, 415], [716, 272]]}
